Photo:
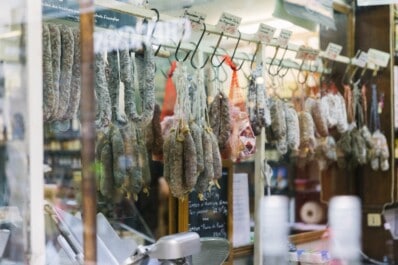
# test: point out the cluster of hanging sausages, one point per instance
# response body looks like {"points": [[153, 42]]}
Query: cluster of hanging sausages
{"points": [[61, 72], [127, 135], [192, 159], [190, 144], [305, 129]]}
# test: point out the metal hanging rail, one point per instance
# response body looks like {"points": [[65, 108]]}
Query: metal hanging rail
{"points": [[140, 12]]}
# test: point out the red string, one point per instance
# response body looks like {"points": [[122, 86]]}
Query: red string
{"points": [[235, 95], [170, 93]]}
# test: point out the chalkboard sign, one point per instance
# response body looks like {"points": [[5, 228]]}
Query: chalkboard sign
{"points": [[210, 217]]}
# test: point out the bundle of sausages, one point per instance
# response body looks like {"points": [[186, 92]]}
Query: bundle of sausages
{"points": [[61, 72]]}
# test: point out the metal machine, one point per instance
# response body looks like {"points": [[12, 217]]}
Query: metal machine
{"points": [[178, 249]]}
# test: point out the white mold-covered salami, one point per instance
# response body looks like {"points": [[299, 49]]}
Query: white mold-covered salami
{"points": [[75, 87], [114, 84], [278, 124], [318, 113], [49, 96], [208, 173], [146, 79], [196, 133], [190, 161], [220, 120], [293, 128], [342, 122], [358, 147], [307, 130], [55, 37], [104, 111], [329, 101], [65, 79]]}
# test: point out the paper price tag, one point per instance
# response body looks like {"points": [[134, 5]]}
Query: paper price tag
{"points": [[228, 23], [284, 37], [361, 60], [378, 57], [196, 18], [265, 33], [333, 50], [307, 53]]}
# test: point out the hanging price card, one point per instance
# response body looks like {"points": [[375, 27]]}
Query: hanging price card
{"points": [[378, 57], [333, 50], [196, 18], [307, 53], [284, 37], [361, 60], [265, 33], [229, 23]]}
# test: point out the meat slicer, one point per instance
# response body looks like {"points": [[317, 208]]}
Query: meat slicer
{"points": [[185, 248]]}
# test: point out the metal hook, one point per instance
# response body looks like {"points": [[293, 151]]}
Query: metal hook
{"points": [[157, 20], [325, 66], [247, 76], [215, 49], [349, 64], [217, 76], [236, 46], [157, 50], [348, 68], [363, 71], [254, 55], [196, 49], [362, 74], [283, 73], [300, 73], [279, 65], [234, 52], [351, 79], [240, 66], [178, 49]]}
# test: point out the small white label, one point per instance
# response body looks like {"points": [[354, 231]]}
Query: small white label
{"points": [[229, 23], [375, 2], [333, 50], [196, 18], [284, 37], [265, 33], [378, 57], [307, 53], [361, 60]]}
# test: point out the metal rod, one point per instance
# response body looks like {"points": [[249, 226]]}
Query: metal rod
{"points": [[212, 29], [89, 198]]}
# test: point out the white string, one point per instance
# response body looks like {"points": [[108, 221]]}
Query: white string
{"points": [[267, 173], [196, 104]]}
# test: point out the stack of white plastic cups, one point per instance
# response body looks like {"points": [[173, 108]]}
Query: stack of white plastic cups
{"points": [[345, 229], [274, 230]]}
